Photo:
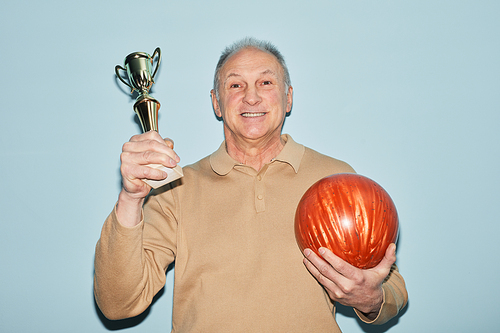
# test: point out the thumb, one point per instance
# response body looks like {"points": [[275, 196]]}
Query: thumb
{"points": [[389, 259]]}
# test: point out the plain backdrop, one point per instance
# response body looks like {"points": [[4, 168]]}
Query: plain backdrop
{"points": [[407, 92]]}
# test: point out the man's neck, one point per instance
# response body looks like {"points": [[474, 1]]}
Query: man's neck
{"points": [[255, 153]]}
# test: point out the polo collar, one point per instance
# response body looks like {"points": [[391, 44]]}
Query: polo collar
{"points": [[292, 153]]}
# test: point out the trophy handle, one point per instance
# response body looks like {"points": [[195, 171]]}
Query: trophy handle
{"points": [[117, 68], [157, 50]]}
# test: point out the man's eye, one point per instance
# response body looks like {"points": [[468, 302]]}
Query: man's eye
{"points": [[235, 85], [266, 83]]}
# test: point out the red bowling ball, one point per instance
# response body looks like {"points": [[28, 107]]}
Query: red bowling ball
{"points": [[351, 215]]}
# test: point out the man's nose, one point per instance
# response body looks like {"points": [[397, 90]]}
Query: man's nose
{"points": [[252, 96]]}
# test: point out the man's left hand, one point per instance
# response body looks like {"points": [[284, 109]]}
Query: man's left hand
{"points": [[349, 285]]}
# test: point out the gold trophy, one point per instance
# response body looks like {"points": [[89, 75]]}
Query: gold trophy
{"points": [[138, 66]]}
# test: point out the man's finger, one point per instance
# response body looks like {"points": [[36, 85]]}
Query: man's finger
{"points": [[169, 142], [340, 265]]}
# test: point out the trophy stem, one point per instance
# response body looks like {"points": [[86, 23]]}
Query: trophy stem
{"points": [[146, 109]]}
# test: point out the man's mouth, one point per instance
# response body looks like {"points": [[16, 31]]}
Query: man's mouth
{"points": [[253, 114]]}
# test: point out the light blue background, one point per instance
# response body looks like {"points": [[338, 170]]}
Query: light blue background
{"points": [[407, 92]]}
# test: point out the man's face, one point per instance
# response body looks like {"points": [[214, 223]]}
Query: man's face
{"points": [[252, 102]]}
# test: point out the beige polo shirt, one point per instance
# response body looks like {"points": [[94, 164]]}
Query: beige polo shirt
{"points": [[230, 231]]}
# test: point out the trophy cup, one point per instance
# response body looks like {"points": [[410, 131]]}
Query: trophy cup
{"points": [[138, 66]]}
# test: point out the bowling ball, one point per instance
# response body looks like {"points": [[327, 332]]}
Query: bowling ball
{"points": [[349, 214]]}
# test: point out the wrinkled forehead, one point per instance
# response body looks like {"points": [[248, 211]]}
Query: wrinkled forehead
{"points": [[251, 60]]}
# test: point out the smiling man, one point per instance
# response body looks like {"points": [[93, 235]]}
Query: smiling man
{"points": [[254, 101], [228, 223]]}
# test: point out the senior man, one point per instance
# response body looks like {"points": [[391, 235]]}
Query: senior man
{"points": [[228, 223]]}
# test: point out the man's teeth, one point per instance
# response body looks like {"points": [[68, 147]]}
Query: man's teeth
{"points": [[253, 114]]}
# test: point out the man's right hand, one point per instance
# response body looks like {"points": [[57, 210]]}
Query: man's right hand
{"points": [[141, 150]]}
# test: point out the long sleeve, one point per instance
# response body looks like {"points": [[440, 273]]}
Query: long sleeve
{"points": [[130, 263]]}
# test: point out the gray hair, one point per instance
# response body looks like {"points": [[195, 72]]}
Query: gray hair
{"points": [[250, 42]]}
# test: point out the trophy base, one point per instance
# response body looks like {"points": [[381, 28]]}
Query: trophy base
{"points": [[172, 174]]}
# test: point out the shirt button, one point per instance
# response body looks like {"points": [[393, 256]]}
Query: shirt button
{"points": [[259, 178], [260, 197]]}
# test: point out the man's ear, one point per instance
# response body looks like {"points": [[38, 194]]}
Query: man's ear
{"points": [[215, 104], [289, 100]]}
